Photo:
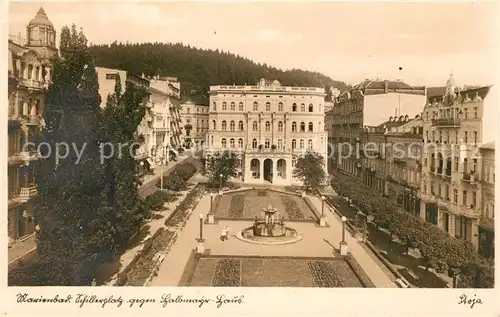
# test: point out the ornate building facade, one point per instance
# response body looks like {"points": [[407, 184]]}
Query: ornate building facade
{"points": [[269, 126], [455, 126], [195, 119], [29, 75]]}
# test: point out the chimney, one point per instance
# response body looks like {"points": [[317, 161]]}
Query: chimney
{"points": [[390, 119], [386, 86], [406, 118]]}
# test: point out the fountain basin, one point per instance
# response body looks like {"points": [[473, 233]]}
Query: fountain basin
{"points": [[276, 234]]}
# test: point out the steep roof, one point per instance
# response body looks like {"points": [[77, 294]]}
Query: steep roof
{"points": [[41, 19], [488, 146]]}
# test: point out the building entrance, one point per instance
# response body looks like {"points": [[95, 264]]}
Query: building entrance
{"points": [[268, 170]]}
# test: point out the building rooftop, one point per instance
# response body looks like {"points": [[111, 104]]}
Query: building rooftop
{"points": [[41, 19], [488, 146]]}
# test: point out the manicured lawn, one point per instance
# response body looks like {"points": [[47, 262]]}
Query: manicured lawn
{"points": [[249, 204], [273, 272]]}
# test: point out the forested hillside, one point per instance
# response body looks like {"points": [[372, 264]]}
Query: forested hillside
{"points": [[197, 69]]}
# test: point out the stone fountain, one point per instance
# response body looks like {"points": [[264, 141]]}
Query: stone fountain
{"points": [[270, 230]]}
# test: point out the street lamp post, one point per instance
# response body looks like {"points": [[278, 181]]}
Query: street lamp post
{"points": [[344, 219], [201, 227], [220, 179], [200, 248], [322, 219], [211, 216], [161, 181], [343, 243]]}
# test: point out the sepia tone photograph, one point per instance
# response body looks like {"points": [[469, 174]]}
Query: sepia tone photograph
{"points": [[266, 144]]}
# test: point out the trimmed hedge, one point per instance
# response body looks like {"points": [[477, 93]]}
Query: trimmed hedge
{"points": [[176, 179]]}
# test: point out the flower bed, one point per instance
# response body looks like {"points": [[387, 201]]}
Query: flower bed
{"points": [[157, 200], [227, 273], [176, 179], [143, 266], [291, 208], [236, 206], [323, 274], [180, 214]]}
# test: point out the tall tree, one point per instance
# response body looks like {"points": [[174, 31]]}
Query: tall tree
{"points": [[221, 166], [75, 233], [310, 169], [121, 117]]}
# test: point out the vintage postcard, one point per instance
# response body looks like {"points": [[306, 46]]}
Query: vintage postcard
{"points": [[250, 158]]}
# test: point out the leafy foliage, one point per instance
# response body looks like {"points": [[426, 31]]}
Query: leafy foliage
{"points": [[76, 233], [197, 69], [439, 250], [310, 169], [220, 167], [122, 115]]}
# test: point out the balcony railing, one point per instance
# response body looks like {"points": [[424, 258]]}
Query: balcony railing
{"points": [[440, 170], [270, 150], [30, 83], [447, 172], [469, 177], [28, 192], [469, 211], [446, 122]]}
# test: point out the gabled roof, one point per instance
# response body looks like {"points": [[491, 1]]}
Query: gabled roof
{"points": [[380, 84]]}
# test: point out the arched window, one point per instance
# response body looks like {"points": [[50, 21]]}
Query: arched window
{"points": [[232, 125], [301, 143], [280, 126], [294, 144], [310, 144], [280, 143], [294, 126], [240, 143], [280, 107], [240, 125], [311, 108], [303, 107], [212, 140], [320, 129], [223, 142], [268, 126], [254, 143], [224, 106], [294, 107], [233, 106], [268, 106], [214, 124], [224, 125], [302, 127], [240, 106], [254, 126], [231, 142], [294, 161], [310, 127], [255, 106], [321, 140], [267, 144]]}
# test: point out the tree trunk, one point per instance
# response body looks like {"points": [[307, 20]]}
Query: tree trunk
{"points": [[454, 281]]}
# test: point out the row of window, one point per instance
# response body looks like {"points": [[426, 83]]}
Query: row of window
{"points": [[295, 108], [267, 143], [453, 113], [446, 137], [267, 125], [446, 194], [188, 110]]}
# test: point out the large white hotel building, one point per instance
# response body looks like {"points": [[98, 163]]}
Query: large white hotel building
{"points": [[269, 125]]}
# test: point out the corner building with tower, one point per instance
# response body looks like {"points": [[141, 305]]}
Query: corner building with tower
{"points": [[268, 127]]}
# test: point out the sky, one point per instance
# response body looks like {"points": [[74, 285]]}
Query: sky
{"points": [[346, 41]]}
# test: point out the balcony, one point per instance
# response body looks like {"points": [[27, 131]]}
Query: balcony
{"points": [[28, 156], [32, 84], [446, 123], [469, 177], [469, 211], [270, 150], [28, 192], [440, 170], [32, 120], [447, 173]]}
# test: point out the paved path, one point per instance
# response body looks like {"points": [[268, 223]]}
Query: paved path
{"points": [[317, 242], [171, 269], [19, 249]]}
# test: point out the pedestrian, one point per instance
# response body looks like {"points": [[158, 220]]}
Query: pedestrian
{"points": [[227, 233], [223, 235]]}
